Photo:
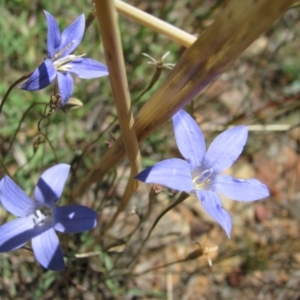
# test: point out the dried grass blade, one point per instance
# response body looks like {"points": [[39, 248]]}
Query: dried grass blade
{"points": [[107, 19], [175, 34]]}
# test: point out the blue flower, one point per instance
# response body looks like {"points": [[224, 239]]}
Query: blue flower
{"points": [[37, 220], [200, 172], [60, 62]]}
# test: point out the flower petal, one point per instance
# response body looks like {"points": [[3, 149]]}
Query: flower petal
{"points": [[65, 84], [173, 173], [226, 148], [14, 200], [47, 250], [41, 77], [74, 218], [239, 189], [87, 68], [72, 36], [211, 202], [189, 138], [53, 36], [51, 184], [16, 233]]}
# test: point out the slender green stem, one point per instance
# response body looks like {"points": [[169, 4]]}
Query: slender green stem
{"points": [[4, 167], [160, 267], [89, 20], [46, 137], [11, 87], [154, 79], [180, 199], [142, 218], [20, 123]]}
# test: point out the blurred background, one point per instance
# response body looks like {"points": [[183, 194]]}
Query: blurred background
{"points": [[261, 89]]}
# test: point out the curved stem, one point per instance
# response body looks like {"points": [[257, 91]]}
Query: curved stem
{"points": [[160, 267], [47, 139], [4, 167], [180, 199], [20, 123], [11, 87], [154, 79]]}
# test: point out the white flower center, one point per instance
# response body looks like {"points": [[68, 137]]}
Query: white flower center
{"points": [[41, 217], [201, 178], [62, 64]]}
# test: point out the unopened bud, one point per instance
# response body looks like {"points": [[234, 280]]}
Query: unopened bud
{"points": [[195, 254], [73, 103]]}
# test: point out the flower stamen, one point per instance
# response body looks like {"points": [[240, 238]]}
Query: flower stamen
{"points": [[58, 54], [39, 218], [60, 64], [201, 181]]}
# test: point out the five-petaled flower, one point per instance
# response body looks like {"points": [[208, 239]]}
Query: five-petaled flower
{"points": [[60, 62], [37, 220], [200, 172]]}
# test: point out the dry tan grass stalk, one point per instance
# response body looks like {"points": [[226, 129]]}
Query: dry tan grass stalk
{"points": [[175, 34], [107, 19]]}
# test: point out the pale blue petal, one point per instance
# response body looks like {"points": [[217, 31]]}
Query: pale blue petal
{"points": [[41, 77], [65, 84], [53, 36], [226, 148], [51, 184], [47, 250], [14, 200], [16, 233], [74, 218], [87, 68], [211, 202], [189, 138], [239, 189], [72, 36], [173, 173]]}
